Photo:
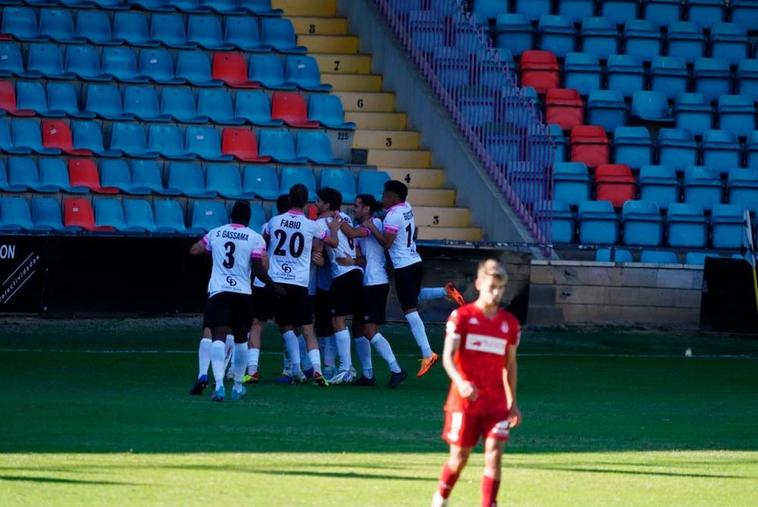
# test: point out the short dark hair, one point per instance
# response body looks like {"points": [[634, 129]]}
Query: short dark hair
{"points": [[282, 204], [298, 195], [370, 201], [331, 197], [397, 187], [241, 213]]}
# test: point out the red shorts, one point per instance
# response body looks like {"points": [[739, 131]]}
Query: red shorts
{"points": [[464, 429]]}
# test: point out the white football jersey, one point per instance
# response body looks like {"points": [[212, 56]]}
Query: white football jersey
{"points": [[324, 273], [346, 248], [399, 220], [264, 232], [231, 247], [291, 244], [375, 272]]}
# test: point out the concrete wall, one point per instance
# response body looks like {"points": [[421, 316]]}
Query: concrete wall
{"points": [[571, 292], [439, 134]]}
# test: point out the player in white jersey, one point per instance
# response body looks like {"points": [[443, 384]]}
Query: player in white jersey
{"points": [[397, 236], [293, 240], [236, 251], [321, 307]]}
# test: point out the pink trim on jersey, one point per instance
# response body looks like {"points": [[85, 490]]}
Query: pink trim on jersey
{"points": [[296, 212], [391, 228], [258, 253], [368, 231], [205, 243], [236, 226]]}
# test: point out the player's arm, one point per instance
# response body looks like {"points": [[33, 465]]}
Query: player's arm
{"points": [[317, 257], [333, 225], [354, 232], [452, 341], [385, 237], [510, 381], [359, 259], [200, 247]]}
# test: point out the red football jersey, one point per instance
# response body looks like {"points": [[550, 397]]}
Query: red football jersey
{"points": [[481, 356]]}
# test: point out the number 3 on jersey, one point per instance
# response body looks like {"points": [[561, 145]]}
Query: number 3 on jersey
{"points": [[296, 244], [229, 261]]}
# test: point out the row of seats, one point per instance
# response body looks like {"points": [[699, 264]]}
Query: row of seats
{"points": [[51, 137], [704, 13], [657, 183], [136, 28], [655, 256], [255, 7], [643, 225], [191, 179], [129, 65], [180, 104]]}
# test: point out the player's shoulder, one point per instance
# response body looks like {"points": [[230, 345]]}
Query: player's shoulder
{"points": [[509, 324]]}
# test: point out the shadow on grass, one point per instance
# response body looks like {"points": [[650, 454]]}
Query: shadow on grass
{"points": [[60, 480], [619, 471]]}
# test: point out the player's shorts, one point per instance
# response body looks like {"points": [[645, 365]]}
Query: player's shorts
{"points": [[229, 309], [294, 309], [374, 304], [264, 302], [322, 314], [408, 285], [464, 429], [346, 294]]}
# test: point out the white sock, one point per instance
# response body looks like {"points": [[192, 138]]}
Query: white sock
{"points": [[293, 351], [363, 347], [428, 293], [305, 360], [384, 349], [252, 360], [419, 333], [315, 358], [343, 349], [218, 362], [240, 362], [228, 350], [329, 351], [203, 356]]}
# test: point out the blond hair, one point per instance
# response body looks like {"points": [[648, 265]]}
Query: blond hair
{"points": [[492, 267]]}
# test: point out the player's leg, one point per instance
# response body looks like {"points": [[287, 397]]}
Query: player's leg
{"points": [[342, 339], [449, 290], [241, 322], [305, 361], [363, 349], [218, 360], [229, 355], [285, 313], [254, 351], [451, 471], [314, 355], [324, 331], [493, 453], [346, 293], [408, 285], [203, 362], [374, 314]]}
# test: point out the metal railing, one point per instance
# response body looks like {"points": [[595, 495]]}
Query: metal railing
{"points": [[479, 89]]}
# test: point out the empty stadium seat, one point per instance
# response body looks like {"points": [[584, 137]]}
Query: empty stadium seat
{"points": [[589, 144], [83, 174], [255, 107], [14, 214], [341, 180], [598, 224], [231, 68], [53, 176], [207, 215], [179, 103], [613, 255], [658, 185], [27, 137], [130, 138], [677, 148], [195, 67], [721, 150], [133, 28], [668, 75], [260, 180], [316, 147], [58, 24], [23, 175], [56, 134], [170, 30], [138, 216], [84, 62], [169, 141], [105, 101], [712, 77], [686, 41], [557, 35], [559, 142], [293, 175], [564, 107], [571, 182], [727, 225], [742, 187], [188, 179], [661, 11], [372, 182], [582, 72], [539, 69], [752, 150], [78, 212], [328, 111], [693, 112], [600, 37], [169, 217], [206, 32], [532, 9], [514, 33], [279, 145], [292, 109], [95, 26], [302, 70], [745, 12], [224, 180], [87, 135], [706, 12], [21, 22], [614, 183], [143, 102], [606, 108], [240, 142], [576, 10], [279, 34], [242, 32], [46, 214], [258, 7], [121, 63], [268, 69], [702, 186], [109, 214], [157, 65], [643, 39], [46, 60], [216, 104], [63, 100], [625, 74], [10, 60], [632, 146], [729, 41], [8, 101], [658, 257], [485, 10], [698, 258], [642, 223], [736, 113], [561, 220], [651, 106], [747, 78], [115, 173]]}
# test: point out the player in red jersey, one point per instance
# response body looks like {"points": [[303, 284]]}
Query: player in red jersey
{"points": [[480, 359]]}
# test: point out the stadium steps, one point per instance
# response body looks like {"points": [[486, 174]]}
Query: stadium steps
{"points": [[382, 130]]}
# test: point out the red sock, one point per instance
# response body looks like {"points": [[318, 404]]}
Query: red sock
{"points": [[447, 481], [489, 491]]}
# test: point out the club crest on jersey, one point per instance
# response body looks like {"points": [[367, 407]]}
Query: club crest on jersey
{"points": [[473, 321], [504, 327], [484, 343]]}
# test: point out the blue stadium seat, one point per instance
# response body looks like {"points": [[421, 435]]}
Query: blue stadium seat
{"points": [[745, 12], [169, 30], [606, 108], [216, 104], [259, 7], [206, 32], [452, 65], [21, 22], [316, 147], [84, 62], [742, 186], [328, 111], [104, 100], [207, 215], [179, 103], [46, 60], [242, 32], [11, 62], [254, 106], [668, 75], [619, 11], [752, 150], [23, 175], [729, 41], [114, 173], [224, 180], [576, 10], [30, 98], [557, 35], [63, 100], [53, 175], [513, 32], [598, 224], [693, 112], [95, 26], [132, 27], [195, 67], [303, 71], [658, 185], [625, 74], [721, 150], [130, 138], [187, 178], [294, 175], [260, 180], [698, 258], [58, 25], [582, 72], [658, 257], [342, 180], [157, 65], [677, 148], [642, 223], [109, 213], [632, 146], [426, 26], [706, 12], [532, 9], [27, 137], [268, 69], [736, 113], [560, 142], [14, 214], [687, 225], [686, 40], [572, 182], [257, 216], [651, 106], [372, 182], [6, 141], [485, 10], [561, 220], [222, 6], [279, 34], [46, 214], [169, 217], [661, 12], [702, 186], [168, 140], [747, 78], [600, 37], [143, 102], [138, 216], [712, 77], [146, 177], [643, 39], [88, 135], [205, 142], [613, 255], [727, 225], [279, 145], [121, 63]]}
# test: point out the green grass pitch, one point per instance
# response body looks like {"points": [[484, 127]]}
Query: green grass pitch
{"points": [[97, 413]]}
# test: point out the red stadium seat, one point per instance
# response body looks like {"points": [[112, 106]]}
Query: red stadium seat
{"points": [[82, 172], [231, 68], [564, 107], [78, 212], [589, 144], [240, 142], [291, 108], [8, 100], [539, 69], [57, 134], [615, 183]]}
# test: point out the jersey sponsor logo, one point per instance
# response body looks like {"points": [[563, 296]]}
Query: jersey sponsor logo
{"points": [[286, 268], [231, 281], [487, 344], [473, 321]]}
